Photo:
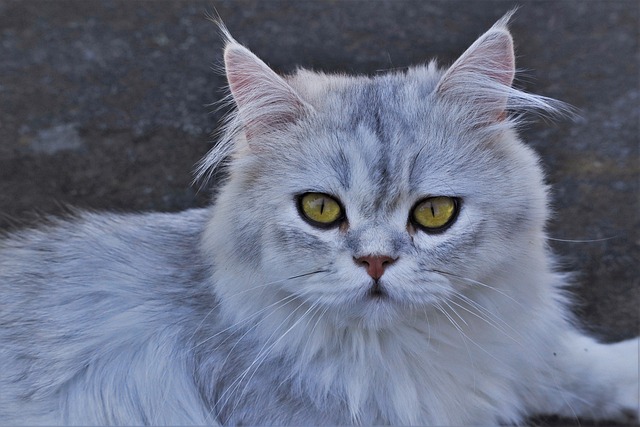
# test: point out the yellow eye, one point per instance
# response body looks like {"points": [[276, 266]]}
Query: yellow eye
{"points": [[435, 213], [320, 209]]}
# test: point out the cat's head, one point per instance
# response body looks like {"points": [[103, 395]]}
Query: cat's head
{"points": [[373, 197]]}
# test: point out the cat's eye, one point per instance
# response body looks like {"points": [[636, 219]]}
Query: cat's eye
{"points": [[320, 209], [435, 214]]}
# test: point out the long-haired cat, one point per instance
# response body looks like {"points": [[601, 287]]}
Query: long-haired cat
{"points": [[375, 255]]}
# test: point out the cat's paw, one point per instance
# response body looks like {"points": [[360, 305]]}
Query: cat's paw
{"points": [[603, 379], [626, 362]]}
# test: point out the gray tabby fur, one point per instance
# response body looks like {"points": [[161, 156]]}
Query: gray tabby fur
{"points": [[243, 313]]}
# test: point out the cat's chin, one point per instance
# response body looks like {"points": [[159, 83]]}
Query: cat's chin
{"points": [[376, 316], [375, 306], [373, 310]]}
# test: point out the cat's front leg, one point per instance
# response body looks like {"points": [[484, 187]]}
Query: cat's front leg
{"points": [[593, 380]]}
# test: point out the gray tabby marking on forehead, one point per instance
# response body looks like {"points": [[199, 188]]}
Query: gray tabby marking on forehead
{"points": [[370, 102], [339, 162], [365, 102], [370, 106]]}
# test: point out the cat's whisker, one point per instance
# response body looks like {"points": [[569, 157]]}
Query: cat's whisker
{"points": [[286, 279], [319, 316], [476, 282], [426, 317], [461, 330], [236, 383], [306, 274], [282, 302], [311, 332], [278, 304], [465, 337], [567, 395], [483, 315], [462, 335], [446, 302], [230, 390], [246, 320], [213, 309], [263, 354], [235, 325], [603, 239], [309, 314], [482, 310]]}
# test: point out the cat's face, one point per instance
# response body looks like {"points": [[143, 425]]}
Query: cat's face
{"points": [[380, 196]]}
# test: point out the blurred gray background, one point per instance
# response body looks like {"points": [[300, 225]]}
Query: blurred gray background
{"points": [[106, 105]]}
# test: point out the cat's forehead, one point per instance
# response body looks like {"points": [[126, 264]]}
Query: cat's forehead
{"points": [[375, 138], [359, 93]]}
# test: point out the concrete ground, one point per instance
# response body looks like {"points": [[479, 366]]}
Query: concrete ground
{"points": [[106, 105]]}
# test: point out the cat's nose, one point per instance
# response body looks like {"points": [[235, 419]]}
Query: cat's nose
{"points": [[375, 264]]}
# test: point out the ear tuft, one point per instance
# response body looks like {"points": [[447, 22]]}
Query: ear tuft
{"points": [[265, 103], [264, 99], [481, 79], [490, 57], [484, 73]]}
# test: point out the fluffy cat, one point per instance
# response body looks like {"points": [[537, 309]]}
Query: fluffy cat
{"points": [[375, 255]]}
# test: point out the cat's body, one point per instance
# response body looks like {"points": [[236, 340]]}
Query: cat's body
{"points": [[260, 310]]}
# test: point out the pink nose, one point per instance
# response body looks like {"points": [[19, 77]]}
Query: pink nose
{"points": [[375, 264]]}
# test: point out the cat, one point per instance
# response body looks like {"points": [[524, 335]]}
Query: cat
{"points": [[376, 254]]}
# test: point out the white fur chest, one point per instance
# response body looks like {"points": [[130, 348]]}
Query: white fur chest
{"points": [[429, 372]]}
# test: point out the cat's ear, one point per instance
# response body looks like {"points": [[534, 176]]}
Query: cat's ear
{"points": [[483, 75], [265, 101]]}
